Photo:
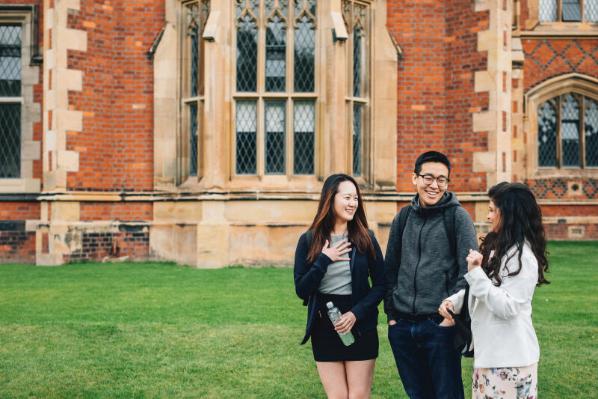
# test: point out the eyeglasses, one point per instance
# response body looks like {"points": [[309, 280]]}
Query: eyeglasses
{"points": [[429, 179]]}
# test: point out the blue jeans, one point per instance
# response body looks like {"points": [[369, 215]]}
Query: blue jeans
{"points": [[429, 366]]}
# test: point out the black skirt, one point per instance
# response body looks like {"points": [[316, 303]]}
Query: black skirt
{"points": [[327, 345]]}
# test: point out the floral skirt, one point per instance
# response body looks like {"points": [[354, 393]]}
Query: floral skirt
{"points": [[505, 383]]}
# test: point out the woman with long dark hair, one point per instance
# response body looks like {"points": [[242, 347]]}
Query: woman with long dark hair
{"points": [[334, 261], [502, 279]]}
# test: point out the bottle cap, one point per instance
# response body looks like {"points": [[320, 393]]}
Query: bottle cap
{"points": [[329, 305]]}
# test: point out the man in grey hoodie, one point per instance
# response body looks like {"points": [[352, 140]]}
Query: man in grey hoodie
{"points": [[425, 263]]}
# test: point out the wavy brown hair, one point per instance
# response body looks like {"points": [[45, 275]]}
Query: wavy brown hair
{"points": [[520, 220], [323, 223]]}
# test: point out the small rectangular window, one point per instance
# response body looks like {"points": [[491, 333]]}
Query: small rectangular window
{"points": [[568, 132]]}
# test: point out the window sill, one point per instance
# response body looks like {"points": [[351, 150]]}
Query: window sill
{"points": [[252, 183], [23, 185], [560, 29], [565, 172]]}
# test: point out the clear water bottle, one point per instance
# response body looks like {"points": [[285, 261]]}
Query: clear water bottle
{"points": [[334, 314]]}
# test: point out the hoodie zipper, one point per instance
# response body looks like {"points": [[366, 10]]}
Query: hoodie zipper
{"points": [[419, 253]]}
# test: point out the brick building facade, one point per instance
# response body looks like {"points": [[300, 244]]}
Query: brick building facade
{"points": [[200, 131]]}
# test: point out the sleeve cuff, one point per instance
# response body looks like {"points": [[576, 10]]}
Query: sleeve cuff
{"points": [[457, 300], [474, 275]]}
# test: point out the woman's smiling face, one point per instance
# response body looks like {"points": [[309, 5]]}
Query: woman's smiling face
{"points": [[346, 202]]}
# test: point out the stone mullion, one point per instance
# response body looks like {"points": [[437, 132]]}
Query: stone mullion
{"points": [[582, 135], [559, 120], [216, 127]]}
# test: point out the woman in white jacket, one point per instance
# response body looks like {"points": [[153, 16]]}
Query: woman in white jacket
{"points": [[502, 279]]}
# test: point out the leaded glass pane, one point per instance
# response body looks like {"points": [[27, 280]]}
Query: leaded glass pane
{"points": [[357, 61], [195, 90], [571, 11], [193, 139], [196, 15], [193, 33], [305, 44], [357, 138], [10, 140], [275, 137], [547, 119], [591, 131], [590, 10], [276, 53], [570, 130], [304, 120], [10, 61], [246, 46], [548, 10], [246, 124]]}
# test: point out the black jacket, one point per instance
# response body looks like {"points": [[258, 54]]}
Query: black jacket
{"points": [[365, 299]]}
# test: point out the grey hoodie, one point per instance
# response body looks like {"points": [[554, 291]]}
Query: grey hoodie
{"points": [[427, 271]]}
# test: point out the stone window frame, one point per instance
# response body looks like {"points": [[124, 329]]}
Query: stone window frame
{"points": [[359, 13], [30, 111], [534, 27], [186, 98], [332, 143], [570, 83], [289, 97]]}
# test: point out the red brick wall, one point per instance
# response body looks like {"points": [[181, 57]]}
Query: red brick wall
{"points": [[419, 28], [558, 188], [16, 244], [461, 100], [17, 247], [116, 144], [19, 211], [130, 242], [436, 96], [547, 58], [560, 231], [569, 210]]}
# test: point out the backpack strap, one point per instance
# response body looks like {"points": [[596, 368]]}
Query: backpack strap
{"points": [[403, 216], [448, 216], [394, 251]]}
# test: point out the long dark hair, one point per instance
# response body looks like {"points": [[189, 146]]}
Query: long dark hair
{"points": [[323, 223], [520, 220]]}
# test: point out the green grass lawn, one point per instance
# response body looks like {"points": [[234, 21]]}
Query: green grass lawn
{"points": [[160, 330]]}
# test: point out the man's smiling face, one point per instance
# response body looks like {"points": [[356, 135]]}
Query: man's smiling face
{"points": [[430, 194]]}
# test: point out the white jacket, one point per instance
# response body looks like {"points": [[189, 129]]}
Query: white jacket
{"points": [[501, 317]]}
